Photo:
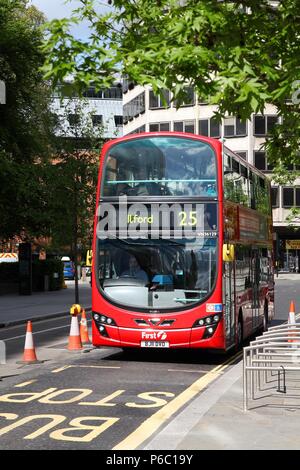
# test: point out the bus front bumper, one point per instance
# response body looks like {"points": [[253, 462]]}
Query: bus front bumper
{"points": [[121, 337]]}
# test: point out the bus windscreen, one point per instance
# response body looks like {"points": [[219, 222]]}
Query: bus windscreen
{"points": [[160, 166]]}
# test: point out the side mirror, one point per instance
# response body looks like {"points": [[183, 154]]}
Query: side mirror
{"points": [[228, 252]]}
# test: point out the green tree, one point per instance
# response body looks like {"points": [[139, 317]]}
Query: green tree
{"points": [[26, 122], [71, 180], [238, 55]]}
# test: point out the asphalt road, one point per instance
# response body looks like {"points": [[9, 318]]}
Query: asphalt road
{"points": [[103, 399], [100, 399]]}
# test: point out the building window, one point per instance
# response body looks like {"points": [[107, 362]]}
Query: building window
{"points": [[112, 93], [74, 119], [260, 161], [189, 98], [234, 127], [275, 196], [243, 155], [178, 126], [118, 121], [139, 130], [204, 127], [210, 127], [189, 126], [184, 126], [127, 84], [134, 107], [290, 197], [264, 124], [202, 101], [159, 126], [97, 120], [157, 101]]}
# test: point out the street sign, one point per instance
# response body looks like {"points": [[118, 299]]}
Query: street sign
{"points": [[8, 257]]}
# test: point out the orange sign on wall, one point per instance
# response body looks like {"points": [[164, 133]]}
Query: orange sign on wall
{"points": [[292, 244]]}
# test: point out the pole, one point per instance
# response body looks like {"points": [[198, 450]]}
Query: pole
{"points": [[75, 235]]}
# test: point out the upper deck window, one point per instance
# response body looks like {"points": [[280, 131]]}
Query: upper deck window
{"points": [[160, 166]]}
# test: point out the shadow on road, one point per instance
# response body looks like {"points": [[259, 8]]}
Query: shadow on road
{"points": [[182, 356]]}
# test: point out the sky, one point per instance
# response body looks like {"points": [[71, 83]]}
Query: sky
{"points": [[62, 9], [55, 8]]}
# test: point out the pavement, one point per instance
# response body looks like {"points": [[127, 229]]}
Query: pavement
{"points": [[288, 276], [16, 309], [215, 420]]}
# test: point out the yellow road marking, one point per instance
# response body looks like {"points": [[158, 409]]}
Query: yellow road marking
{"points": [[24, 384], [154, 422]]}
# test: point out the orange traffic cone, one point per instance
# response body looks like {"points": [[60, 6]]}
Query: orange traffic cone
{"points": [[29, 355], [292, 321], [84, 334], [292, 317], [74, 338]]}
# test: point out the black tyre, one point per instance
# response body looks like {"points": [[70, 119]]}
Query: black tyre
{"points": [[266, 317]]}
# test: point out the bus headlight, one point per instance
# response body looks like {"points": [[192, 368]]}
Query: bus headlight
{"points": [[208, 321], [103, 319]]}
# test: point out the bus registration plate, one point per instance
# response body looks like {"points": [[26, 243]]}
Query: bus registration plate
{"points": [[155, 344]]}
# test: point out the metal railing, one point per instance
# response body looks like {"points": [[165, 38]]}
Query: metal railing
{"points": [[277, 350]]}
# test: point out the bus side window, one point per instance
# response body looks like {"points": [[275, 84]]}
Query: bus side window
{"points": [[262, 195], [110, 175], [245, 186], [228, 178]]}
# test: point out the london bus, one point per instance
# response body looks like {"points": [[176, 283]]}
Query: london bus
{"points": [[182, 245]]}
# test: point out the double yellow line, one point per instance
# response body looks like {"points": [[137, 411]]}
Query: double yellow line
{"points": [[154, 422]]}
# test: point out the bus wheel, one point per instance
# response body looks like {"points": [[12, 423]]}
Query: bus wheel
{"points": [[240, 331]]}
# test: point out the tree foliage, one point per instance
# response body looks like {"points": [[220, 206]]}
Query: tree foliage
{"points": [[71, 177], [48, 168], [25, 121], [237, 55]]}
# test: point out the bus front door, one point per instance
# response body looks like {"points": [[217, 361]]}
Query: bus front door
{"points": [[229, 303]]}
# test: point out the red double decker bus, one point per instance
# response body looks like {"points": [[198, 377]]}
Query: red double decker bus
{"points": [[182, 245]]}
